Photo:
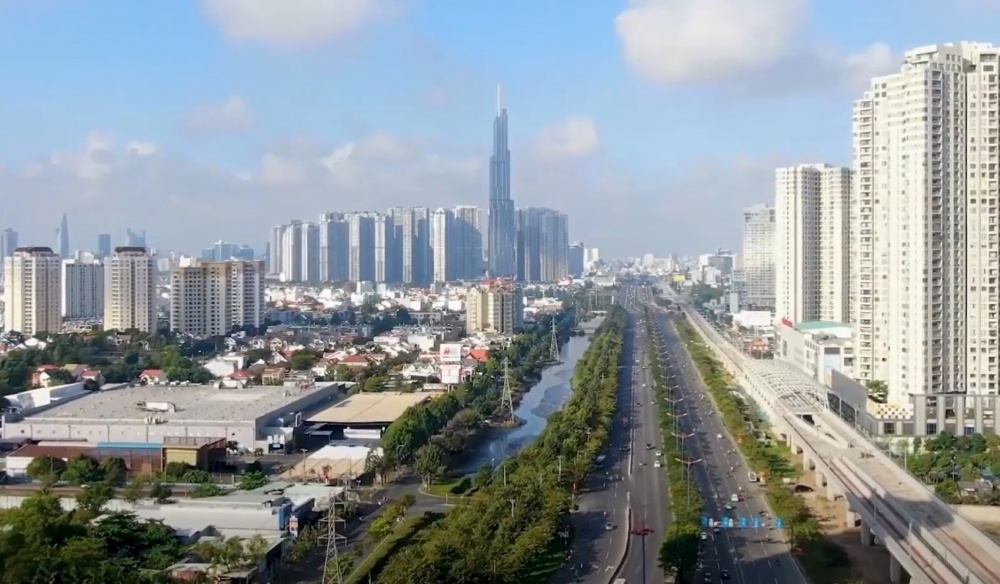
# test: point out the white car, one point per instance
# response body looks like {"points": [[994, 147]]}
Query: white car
{"points": [[657, 464], [658, 453], [704, 536]]}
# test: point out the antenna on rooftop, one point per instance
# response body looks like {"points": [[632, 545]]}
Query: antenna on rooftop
{"points": [[506, 397], [334, 535]]}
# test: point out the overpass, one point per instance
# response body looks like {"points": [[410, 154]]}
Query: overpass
{"points": [[926, 539]]}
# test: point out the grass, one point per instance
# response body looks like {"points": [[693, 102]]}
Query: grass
{"points": [[409, 531], [451, 486]]}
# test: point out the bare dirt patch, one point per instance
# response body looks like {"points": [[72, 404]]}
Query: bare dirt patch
{"points": [[869, 564]]}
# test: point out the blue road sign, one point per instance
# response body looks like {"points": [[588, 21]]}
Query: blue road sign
{"points": [[779, 523], [756, 522], [744, 523], [729, 521], [704, 521]]}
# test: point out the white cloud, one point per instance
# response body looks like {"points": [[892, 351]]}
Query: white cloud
{"points": [[105, 186], [292, 24], [230, 116], [740, 46], [570, 139]]}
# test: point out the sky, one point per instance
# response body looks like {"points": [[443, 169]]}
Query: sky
{"points": [[651, 123]]}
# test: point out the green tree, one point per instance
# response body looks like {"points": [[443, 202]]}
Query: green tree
{"points": [[303, 360], [429, 463], [160, 491], [82, 470], [43, 466], [203, 490], [252, 480], [94, 497], [114, 469], [132, 492], [679, 550]]}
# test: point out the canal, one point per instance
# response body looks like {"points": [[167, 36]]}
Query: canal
{"points": [[547, 396]]}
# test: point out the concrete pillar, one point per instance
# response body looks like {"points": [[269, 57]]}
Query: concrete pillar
{"points": [[895, 570], [832, 492], [850, 518], [866, 534]]}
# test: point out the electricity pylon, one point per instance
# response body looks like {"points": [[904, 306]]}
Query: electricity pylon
{"points": [[554, 342], [507, 397], [332, 572]]}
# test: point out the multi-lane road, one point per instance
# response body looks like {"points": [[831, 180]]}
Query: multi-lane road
{"points": [[754, 554]]}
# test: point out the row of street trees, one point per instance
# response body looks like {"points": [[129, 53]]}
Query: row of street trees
{"points": [[519, 514], [819, 554], [679, 552]]}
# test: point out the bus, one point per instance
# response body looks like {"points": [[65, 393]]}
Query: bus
{"points": [[752, 477]]}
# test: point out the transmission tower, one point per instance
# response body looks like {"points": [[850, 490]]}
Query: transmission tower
{"points": [[554, 342], [506, 397], [333, 535]]}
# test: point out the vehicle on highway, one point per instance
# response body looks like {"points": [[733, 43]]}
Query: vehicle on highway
{"points": [[708, 577], [704, 536], [752, 477], [734, 498], [724, 574], [718, 436], [609, 526], [657, 464], [658, 453], [649, 446], [729, 506]]}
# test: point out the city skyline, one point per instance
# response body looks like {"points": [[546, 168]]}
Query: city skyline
{"points": [[394, 108]]}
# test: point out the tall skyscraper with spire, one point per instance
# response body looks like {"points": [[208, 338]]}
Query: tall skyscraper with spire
{"points": [[62, 235], [502, 231]]}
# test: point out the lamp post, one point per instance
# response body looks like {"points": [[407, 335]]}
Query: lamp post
{"points": [[642, 531], [687, 471]]}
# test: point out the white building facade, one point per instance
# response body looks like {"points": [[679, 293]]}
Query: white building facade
{"points": [[924, 224], [811, 249], [32, 291], [82, 288], [758, 255], [130, 290]]}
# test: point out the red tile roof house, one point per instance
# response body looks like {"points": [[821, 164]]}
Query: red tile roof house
{"points": [[273, 376], [243, 376], [354, 362], [92, 375]]}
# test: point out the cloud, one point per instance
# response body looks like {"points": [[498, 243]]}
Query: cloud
{"points": [[740, 47], [228, 117], [570, 139], [107, 185], [296, 24]]}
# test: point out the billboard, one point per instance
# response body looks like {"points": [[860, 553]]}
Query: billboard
{"points": [[451, 374], [451, 352]]}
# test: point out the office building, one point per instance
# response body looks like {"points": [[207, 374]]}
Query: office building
{"points": [[502, 230], [135, 238], [497, 308], [811, 253], [924, 241], [542, 251], [32, 292], [575, 260], [130, 290], [8, 242], [103, 245], [82, 288], [214, 298], [758, 256], [62, 237]]}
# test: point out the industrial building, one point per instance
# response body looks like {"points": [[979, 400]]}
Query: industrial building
{"points": [[363, 416], [245, 417], [140, 458]]}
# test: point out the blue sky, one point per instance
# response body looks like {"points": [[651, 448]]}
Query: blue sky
{"points": [[645, 120]]}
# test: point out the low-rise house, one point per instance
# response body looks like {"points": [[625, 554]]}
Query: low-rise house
{"points": [[354, 362], [273, 376], [93, 375], [44, 376], [153, 377]]}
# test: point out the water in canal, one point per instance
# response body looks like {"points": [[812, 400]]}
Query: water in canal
{"points": [[549, 395]]}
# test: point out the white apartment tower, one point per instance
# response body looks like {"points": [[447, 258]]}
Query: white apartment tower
{"points": [[812, 225], [32, 292], [924, 223], [213, 298], [130, 290], [441, 235], [758, 255], [82, 288]]}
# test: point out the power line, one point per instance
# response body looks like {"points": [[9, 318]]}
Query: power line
{"points": [[507, 396], [554, 343], [334, 536]]}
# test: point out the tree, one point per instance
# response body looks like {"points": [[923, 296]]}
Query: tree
{"points": [[252, 480], [94, 497], [160, 491], [43, 466], [679, 550], [82, 470], [132, 493], [429, 463], [114, 469], [203, 490], [303, 360]]}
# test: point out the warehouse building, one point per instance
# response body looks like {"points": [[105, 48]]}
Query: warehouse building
{"points": [[245, 418], [208, 454]]}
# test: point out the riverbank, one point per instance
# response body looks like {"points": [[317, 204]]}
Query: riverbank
{"points": [[532, 408]]}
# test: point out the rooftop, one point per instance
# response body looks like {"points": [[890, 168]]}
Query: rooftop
{"points": [[813, 325], [371, 408], [190, 404]]}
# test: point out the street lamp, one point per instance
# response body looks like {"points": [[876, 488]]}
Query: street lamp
{"points": [[687, 468], [680, 441], [642, 531]]}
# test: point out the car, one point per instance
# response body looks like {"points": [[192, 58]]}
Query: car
{"points": [[719, 436], [609, 526], [724, 574], [657, 464], [729, 506], [716, 529], [649, 446], [734, 498], [658, 453], [704, 536], [708, 577]]}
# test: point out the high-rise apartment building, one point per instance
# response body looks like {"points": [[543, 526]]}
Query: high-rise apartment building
{"points": [[32, 291], [575, 259], [811, 243], [924, 241], [130, 290], [291, 252], [542, 250], [82, 288], [135, 238], [467, 240], [213, 298], [384, 240], [311, 256], [441, 235], [758, 255], [361, 246], [502, 231], [494, 308], [334, 235]]}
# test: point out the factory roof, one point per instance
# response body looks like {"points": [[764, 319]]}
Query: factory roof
{"points": [[383, 407], [179, 404]]}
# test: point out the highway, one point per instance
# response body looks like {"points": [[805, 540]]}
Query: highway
{"points": [[742, 555], [647, 484]]}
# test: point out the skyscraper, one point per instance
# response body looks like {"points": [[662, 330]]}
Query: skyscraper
{"points": [[62, 235], [812, 212], [758, 255], [502, 233], [235, 287], [103, 245], [130, 290], [8, 242], [32, 292]]}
